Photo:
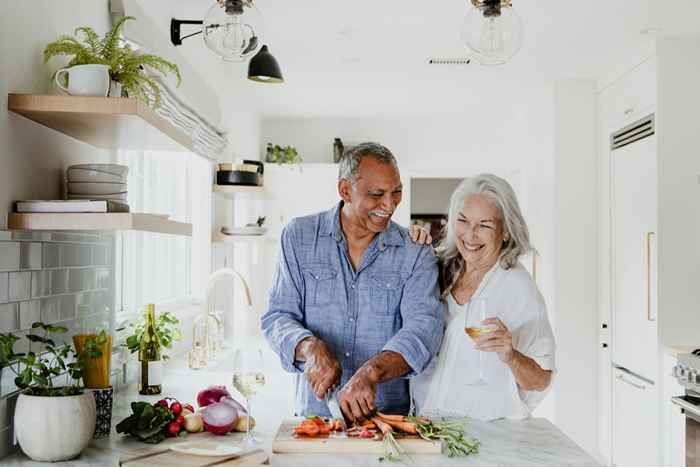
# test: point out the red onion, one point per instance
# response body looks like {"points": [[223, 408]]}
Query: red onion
{"points": [[211, 395], [234, 403], [219, 418]]}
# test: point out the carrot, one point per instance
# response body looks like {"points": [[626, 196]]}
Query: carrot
{"points": [[368, 424], [383, 427], [397, 418], [406, 427]]}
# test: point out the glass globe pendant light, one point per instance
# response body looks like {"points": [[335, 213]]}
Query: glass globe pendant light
{"points": [[492, 31], [226, 33]]}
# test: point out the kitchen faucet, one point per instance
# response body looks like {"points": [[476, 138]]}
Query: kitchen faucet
{"points": [[204, 345]]}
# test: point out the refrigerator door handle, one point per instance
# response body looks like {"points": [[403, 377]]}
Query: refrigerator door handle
{"points": [[635, 385]]}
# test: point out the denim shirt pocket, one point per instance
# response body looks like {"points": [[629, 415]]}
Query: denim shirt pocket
{"points": [[320, 283], [386, 289]]}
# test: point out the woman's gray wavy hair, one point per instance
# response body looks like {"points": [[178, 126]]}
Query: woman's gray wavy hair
{"points": [[514, 226]]}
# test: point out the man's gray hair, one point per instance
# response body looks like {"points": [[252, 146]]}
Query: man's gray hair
{"points": [[514, 226], [350, 162]]}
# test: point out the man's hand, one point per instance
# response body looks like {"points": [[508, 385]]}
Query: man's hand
{"points": [[356, 399], [321, 369]]}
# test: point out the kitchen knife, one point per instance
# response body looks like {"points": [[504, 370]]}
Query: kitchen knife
{"points": [[334, 407]]}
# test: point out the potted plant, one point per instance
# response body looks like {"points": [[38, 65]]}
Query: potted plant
{"points": [[126, 66], [282, 155], [95, 357], [166, 327], [41, 403]]}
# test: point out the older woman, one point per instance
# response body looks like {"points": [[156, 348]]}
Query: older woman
{"points": [[486, 234]]}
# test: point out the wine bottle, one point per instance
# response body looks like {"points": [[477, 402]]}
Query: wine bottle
{"points": [[149, 356]]}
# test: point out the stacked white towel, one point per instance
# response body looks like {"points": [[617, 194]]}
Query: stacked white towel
{"points": [[209, 140]]}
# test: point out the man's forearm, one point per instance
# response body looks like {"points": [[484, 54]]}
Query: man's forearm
{"points": [[302, 349], [384, 366]]}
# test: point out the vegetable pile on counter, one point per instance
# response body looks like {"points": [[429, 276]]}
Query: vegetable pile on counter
{"points": [[218, 413], [151, 423], [314, 426]]}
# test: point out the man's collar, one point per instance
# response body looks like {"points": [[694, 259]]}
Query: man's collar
{"points": [[331, 226]]}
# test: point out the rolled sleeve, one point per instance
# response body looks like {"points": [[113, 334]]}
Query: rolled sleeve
{"points": [[282, 324], [419, 338]]}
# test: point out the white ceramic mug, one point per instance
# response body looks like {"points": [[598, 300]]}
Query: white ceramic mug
{"points": [[85, 80]]}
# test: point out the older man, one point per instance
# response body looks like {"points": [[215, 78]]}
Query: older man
{"points": [[355, 303]]}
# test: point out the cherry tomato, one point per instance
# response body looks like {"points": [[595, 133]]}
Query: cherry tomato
{"points": [[176, 407], [173, 428], [180, 420]]}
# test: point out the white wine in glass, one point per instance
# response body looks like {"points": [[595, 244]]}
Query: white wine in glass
{"points": [[248, 379], [474, 327]]}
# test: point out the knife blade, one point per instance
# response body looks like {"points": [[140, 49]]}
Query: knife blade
{"points": [[334, 407]]}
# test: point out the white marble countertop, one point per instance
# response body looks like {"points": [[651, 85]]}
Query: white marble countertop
{"points": [[504, 443], [675, 350]]}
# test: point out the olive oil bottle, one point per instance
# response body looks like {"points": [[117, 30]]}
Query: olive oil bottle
{"points": [[149, 356]]}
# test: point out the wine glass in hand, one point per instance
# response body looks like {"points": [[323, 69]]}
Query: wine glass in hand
{"points": [[474, 327], [248, 379]]}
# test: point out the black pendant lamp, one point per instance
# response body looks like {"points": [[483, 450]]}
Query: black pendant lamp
{"points": [[264, 68]]}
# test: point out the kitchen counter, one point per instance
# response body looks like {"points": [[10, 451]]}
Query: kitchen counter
{"points": [[531, 443], [675, 350]]}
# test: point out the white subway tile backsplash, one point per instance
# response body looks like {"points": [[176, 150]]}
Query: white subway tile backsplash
{"points": [[29, 313], [99, 255], [67, 307], [4, 287], [8, 317], [19, 286], [76, 280], [41, 283], [51, 255], [30, 255], [50, 309], [59, 281], [9, 256]]}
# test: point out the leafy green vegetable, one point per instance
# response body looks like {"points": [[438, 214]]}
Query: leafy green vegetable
{"points": [[451, 434], [147, 423]]}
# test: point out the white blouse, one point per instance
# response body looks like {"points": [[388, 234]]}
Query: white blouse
{"points": [[444, 388]]}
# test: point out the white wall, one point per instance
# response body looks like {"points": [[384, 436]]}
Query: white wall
{"points": [[32, 157], [679, 190], [576, 232]]}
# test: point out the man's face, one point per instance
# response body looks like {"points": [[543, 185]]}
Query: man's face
{"points": [[374, 196]]}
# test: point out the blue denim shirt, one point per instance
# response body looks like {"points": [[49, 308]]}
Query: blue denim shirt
{"points": [[391, 302]]}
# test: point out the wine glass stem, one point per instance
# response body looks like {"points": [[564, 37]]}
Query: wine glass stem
{"points": [[481, 367], [247, 402]]}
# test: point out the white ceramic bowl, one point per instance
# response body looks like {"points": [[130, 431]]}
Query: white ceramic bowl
{"points": [[87, 175], [94, 188], [114, 169], [117, 196]]}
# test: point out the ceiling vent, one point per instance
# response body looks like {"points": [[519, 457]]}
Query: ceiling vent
{"points": [[449, 61], [640, 129]]}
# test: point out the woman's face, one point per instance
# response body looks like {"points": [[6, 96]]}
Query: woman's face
{"points": [[479, 230]]}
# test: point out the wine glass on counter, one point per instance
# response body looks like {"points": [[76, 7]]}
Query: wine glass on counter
{"points": [[248, 379], [474, 327]]}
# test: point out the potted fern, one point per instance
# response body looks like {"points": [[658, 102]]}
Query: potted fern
{"points": [[126, 66], [43, 404]]}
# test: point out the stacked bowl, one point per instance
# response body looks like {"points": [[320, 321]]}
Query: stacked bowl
{"points": [[97, 182]]}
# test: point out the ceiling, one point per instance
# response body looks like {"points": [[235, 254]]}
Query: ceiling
{"points": [[362, 57]]}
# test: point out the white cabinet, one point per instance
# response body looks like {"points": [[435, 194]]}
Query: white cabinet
{"points": [[635, 416], [629, 97], [633, 209]]}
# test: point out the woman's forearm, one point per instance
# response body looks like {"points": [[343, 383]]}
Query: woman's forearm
{"points": [[528, 374]]}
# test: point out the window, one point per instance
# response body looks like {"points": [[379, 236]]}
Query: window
{"points": [[167, 270]]}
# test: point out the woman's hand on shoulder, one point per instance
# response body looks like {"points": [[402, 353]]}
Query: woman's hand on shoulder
{"points": [[500, 340], [420, 235]]}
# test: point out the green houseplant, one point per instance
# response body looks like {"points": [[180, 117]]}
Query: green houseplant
{"points": [[126, 66], [41, 403], [166, 327], [282, 154]]}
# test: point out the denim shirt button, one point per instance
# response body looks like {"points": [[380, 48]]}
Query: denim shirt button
{"points": [[347, 354]]}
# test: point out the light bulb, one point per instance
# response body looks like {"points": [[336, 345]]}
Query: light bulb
{"points": [[492, 35], [228, 36]]}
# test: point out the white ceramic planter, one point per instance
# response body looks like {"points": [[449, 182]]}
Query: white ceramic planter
{"points": [[54, 428]]}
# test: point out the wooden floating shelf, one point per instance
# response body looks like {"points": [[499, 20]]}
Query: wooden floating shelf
{"points": [[223, 238], [230, 191], [97, 221], [104, 122]]}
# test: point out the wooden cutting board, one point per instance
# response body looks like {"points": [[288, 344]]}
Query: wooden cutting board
{"points": [[286, 442], [168, 458]]}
